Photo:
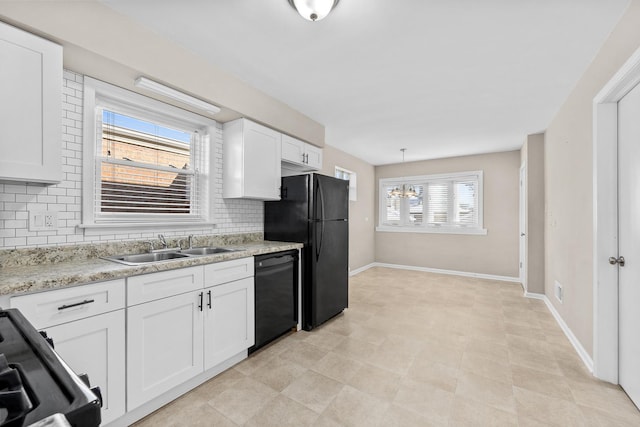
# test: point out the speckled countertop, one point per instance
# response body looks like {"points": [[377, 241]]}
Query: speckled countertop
{"points": [[38, 270]]}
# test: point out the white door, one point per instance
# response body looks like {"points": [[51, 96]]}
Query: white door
{"points": [[629, 242], [523, 227], [95, 346], [229, 320], [164, 346]]}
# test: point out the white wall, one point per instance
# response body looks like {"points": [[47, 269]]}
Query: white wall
{"points": [[16, 200]]}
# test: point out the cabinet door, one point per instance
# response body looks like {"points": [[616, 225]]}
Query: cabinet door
{"points": [[313, 157], [95, 346], [164, 346], [261, 162], [292, 150], [30, 108], [229, 321]]}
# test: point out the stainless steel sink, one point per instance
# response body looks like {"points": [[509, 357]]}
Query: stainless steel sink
{"points": [[206, 251], [147, 258]]}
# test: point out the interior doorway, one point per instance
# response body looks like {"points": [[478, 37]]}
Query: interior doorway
{"points": [[611, 345], [523, 227], [628, 256]]}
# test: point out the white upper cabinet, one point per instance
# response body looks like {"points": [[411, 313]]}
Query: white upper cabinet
{"points": [[251, 161], [30, 108], [300, 156]]}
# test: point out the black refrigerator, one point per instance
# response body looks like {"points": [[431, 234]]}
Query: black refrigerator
{"points": [[314, 210]]}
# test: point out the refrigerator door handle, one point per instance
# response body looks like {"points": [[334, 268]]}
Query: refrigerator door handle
{"points": [[322, 219]]}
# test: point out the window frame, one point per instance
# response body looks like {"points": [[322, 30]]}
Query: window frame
{"points": [[353, 181], [99, 95], [403, 225]]}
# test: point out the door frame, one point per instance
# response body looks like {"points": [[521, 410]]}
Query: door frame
{"points": [[605, 217], [522, 227]]}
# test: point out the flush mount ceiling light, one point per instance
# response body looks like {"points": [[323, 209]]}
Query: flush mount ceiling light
{"points": [[160, 89], [313, 10]]}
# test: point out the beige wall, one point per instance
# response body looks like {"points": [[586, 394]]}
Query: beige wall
{"points": [[361, 211], [532, 157], [569, 182], [132, 50], [494, 254]]}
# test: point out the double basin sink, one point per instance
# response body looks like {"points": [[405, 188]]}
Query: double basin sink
{"points": [[166, 255]]}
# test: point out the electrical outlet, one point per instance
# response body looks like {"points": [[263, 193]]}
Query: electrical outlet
{"points": [[43, 220], [558, 291]]}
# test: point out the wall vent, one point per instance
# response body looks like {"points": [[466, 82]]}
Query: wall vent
{"points": [[557, 291]]}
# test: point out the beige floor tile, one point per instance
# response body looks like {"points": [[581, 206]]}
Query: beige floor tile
{"points": [[606, 397], [313, 390], [201, 415], [600, 418], [435, 374], [397, 416], [492, 368], [243, 400], [414, 349], [323, 421], [355, 349], [486, 391], [278, 373], [353, 408], [548, 410], [375, 381], [468, 413], [283, 412], [338, 367], [541, 363], [325, 339], [426, 400], [304, 354], [541, 382]]}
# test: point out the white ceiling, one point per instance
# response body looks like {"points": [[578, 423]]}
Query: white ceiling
{"points": [[439, 77]]}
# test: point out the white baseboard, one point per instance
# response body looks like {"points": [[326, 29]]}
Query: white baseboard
{"points": [[449, 272], [361, 269], [586, 359]]}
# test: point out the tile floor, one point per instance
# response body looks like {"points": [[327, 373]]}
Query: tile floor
{"points": [[413, 349]]}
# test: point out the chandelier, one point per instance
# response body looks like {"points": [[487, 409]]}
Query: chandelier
{"points": [[407, 190]]}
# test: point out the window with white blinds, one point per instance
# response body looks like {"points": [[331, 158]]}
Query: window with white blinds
{"points": [[150, 161], [447, 203]]}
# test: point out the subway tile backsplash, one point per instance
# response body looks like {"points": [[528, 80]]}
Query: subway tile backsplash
{"points": [[232, 216]]}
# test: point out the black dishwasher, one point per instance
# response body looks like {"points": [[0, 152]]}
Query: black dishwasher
{"points": [[276, 293]]}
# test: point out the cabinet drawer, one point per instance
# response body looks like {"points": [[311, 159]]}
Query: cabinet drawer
{"points": [[59, 306], [164, 284], [228, 271]]}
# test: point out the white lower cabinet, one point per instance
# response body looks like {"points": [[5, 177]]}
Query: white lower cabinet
{"points": [[171, 339], [87, 326], [229, 321], [95, 346], [164, 346]]}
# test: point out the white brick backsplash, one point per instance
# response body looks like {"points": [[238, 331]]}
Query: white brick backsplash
{"points": [[16, 200]]}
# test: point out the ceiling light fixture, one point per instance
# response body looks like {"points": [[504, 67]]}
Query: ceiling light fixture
{"points": [[407, 190], [145, 83], [313, 10]]}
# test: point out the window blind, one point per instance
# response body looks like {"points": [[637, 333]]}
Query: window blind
{"points": [[147, 170]]}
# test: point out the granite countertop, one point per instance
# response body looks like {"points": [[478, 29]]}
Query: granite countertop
{"points": [[34, 277]]}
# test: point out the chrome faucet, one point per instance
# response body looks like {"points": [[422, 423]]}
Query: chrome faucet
{"points": [[150, 243], [190, 241], [163, 241]]}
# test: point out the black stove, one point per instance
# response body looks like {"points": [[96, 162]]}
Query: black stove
{"points": [[35, 383]]}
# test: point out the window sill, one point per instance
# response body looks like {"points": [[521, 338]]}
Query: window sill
{"points": [[431, 230], [131, 227]]}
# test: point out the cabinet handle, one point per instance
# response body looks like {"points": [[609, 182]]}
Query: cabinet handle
{"points": [[209, 303], [201, 295], [87, 301]]}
